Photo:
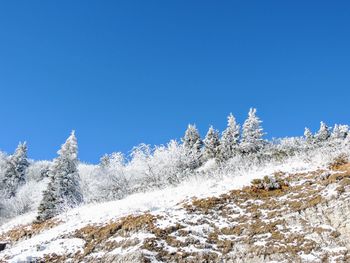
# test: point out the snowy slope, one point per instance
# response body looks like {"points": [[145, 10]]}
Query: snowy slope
{"points": [[59, 240]]}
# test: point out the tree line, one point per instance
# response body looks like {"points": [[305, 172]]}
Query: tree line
{"points": [[115, 177]]}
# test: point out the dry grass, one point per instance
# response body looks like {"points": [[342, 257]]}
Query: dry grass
{"points": [[96, 236], [339, 162], [28, 231], [266, 210]]}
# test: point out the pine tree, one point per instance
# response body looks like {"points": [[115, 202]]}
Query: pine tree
{"points": [[229, 139], [16, 167], [324, 133], [63, 189], [308, 135], [211, 144], [252, 133], [192, 144], [192, 139], [340, 131], [51, 204], [105, 161]]}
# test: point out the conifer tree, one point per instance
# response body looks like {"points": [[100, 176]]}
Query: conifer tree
{"points": [[308, 135], [252, 133], [192, 139], [229, 139], [324, 133], [192, 144], [50, 204], [104, 161], [211, 144], [16, 167], [340, 131], [64, 188]]}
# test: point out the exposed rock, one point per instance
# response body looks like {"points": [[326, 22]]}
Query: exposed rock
{"points": [[2, 246]]}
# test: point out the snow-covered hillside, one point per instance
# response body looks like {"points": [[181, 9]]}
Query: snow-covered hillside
{"points": [[68, 236], [207, 199]]}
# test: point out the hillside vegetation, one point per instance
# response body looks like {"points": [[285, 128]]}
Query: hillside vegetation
{"points": [[232, 196]]}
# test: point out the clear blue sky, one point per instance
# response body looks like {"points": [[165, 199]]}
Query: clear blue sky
{"points": [[125, 72]]}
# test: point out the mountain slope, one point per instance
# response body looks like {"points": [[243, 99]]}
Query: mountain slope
{"points": [[305, 219]]}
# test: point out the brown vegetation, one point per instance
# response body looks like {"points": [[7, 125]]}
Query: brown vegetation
{"points": [[27, 231], [339, 162]]}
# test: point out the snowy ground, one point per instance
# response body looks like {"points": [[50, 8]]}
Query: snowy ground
{"points": [[156, 202]]}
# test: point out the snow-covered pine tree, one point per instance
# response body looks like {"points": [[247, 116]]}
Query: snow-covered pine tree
{"points": [[67, 171], [192, 144], [211, 144], [340, 131], [105, 161], [50, 204], [324, 133], [309, 137], [229, 139], [192, 139], [252, 133], [64, 187], [16, 167]]}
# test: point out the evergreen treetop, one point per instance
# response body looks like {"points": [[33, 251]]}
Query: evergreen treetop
{"points": [[252, 133]]}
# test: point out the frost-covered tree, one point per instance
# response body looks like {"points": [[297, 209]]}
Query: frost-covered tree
{"points": [[211, 144], [113, 182], [38, 171], [105, 161], [64, 187], [309, 137], [252, 133], [340, 131], [192, 144], [229, 139], [323, 133], [65, 169], [26, 200], [192, 139], [160, 166], [170, 161], [50, 203], [14, 175]]}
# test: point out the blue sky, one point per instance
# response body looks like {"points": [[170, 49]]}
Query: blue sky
{"points": [[125, 72]]}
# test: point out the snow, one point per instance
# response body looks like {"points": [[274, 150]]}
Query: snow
{"points": [[19, 220], [207, 166], [260, 243], [156, 202], [327, 227], [330, 191], [335, 249], [308, 257], [139, 236], [58, 246]]}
